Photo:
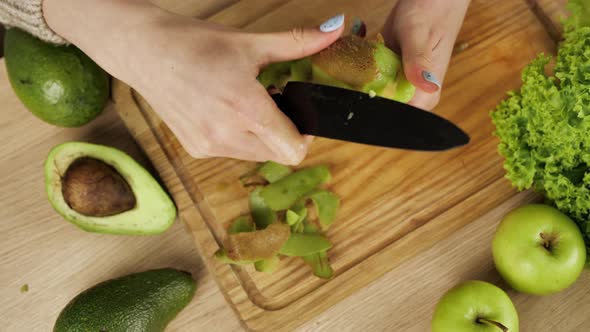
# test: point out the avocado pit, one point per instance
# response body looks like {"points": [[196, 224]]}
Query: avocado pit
{"points": [[93, 188]]}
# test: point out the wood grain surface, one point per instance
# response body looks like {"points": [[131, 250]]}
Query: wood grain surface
{"points": [[395, 203], [57, 260]]}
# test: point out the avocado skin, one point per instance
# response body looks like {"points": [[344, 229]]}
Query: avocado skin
{"points": [[140, 302], [59, 84]]}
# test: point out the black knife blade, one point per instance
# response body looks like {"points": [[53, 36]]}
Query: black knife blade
{"points": [[348, 115]]}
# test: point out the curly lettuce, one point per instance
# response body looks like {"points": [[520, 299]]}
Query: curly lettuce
{"points": [[544, 128]]}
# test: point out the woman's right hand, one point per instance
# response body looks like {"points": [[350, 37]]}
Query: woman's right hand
{"points": [[424, 32], [198, 76]]}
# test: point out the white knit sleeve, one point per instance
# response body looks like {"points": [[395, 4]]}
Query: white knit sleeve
{"points": [[28, 16]]}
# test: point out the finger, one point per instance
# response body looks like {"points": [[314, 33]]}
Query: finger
{"points": [[245, 146], [263, 118], [417, 47], [438, 68], [425, 101], [297, 43], [408, 32]]}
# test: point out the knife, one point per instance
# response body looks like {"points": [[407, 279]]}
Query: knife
{"points": [[353, 116]]}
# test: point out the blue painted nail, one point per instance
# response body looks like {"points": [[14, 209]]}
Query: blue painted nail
{"points": [[332, 24], [431, 78]]}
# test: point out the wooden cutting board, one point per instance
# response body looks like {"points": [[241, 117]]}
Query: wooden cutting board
{"points": [[395, 204]]}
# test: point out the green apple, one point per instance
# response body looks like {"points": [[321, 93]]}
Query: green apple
{"points": [[538, 250], [476, 306]]}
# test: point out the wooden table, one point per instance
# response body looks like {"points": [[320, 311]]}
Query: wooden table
{"points": [[58, 261]]}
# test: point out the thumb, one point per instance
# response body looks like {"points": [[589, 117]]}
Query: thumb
{"points": [[417, 58], [298, 43]]}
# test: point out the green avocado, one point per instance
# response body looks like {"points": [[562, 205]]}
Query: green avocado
{"points": [[102, 189], [140, 302], [58, 84]]}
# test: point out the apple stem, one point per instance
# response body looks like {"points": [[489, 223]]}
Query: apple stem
{"points": [[491, 322], [549, 241]]}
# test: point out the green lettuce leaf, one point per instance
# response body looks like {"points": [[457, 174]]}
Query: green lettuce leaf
{"points": [[544, 128], [579, 15]]}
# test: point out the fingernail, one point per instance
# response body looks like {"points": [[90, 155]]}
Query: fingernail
{"points": [[332, 24], [431, 78]]}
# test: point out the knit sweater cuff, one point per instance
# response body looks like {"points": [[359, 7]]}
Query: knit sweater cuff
{"points": [[28, 16]]}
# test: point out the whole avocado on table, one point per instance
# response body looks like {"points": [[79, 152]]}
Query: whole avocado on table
{"points": [[140, 302], [57, 83]]}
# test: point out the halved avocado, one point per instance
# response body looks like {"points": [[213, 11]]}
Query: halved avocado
{"points": [[102, 189]]}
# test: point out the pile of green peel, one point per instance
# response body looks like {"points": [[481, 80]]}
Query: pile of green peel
{"points": [[289, 213], [544, 129]]}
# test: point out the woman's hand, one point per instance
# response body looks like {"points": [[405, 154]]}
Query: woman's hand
{"points": [[199, 77], [424, 31]]}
